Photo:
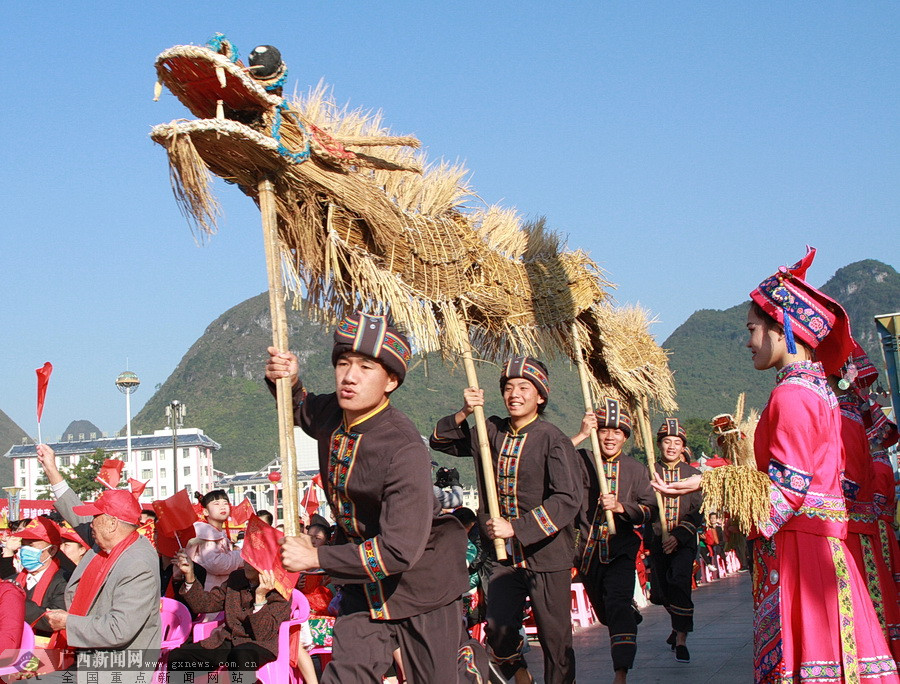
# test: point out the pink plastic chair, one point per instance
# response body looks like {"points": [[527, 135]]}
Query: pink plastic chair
{"points": [[176, 623], [279, 671], [582, 613], [26, 651], [203, 629]]}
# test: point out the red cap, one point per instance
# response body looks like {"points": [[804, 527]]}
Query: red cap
{"points": [[66, 533], [119, 503], [41, 528]]}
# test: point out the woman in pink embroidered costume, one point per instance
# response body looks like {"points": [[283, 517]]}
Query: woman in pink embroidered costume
{"points": [[882, 434], [211, 546], [814, 620], [863, 538]]}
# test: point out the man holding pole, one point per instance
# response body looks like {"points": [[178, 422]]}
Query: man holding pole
{"points": [[402, 565], [539, 496], [606, 563], [672, 559]]}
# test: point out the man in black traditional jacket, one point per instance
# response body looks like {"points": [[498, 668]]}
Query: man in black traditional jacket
{"points": [[538, 485], [401, 564], [672, 561], [606, 562]]}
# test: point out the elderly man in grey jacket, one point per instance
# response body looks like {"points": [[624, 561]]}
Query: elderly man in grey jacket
{"points": [[113, 594]]}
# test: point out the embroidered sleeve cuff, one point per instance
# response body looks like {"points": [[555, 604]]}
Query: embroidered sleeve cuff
{"points": [[370, 556], [779, 514], [544, 521], [788, 478]]}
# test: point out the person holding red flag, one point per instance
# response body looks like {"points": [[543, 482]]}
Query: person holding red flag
{"points": [[42, 577], [112, 597], [254, 608], [211, 546]]}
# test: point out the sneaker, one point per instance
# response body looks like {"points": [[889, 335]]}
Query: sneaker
{"points": [[671, 640], [682, 655]]}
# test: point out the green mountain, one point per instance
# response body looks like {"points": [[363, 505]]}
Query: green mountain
{"points": [[10, 434], [220, 379], [712, 365]]}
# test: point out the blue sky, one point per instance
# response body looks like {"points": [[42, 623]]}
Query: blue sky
{"points": [[691, 148]]}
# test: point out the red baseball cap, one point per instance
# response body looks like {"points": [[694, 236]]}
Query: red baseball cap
{"points": [[66, 533], [119, 503], [40, 528]]}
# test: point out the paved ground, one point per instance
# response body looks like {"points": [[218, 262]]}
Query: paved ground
{"points": [[721, 645]]}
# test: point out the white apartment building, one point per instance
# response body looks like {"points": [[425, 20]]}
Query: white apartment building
{"points": [[151, 459]]}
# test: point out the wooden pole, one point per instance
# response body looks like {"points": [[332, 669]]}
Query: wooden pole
{"points": [[484, 446], [643, 411], [589, 407], [287, 448]]}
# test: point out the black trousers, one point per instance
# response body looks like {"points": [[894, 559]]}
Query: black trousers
{"points": [[429, 645], [551, 604], [245, 657], [610, 588], [671, 585]]}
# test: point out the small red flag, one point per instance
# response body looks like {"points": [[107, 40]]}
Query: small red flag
{"points": [[317, 480], [110, 473], [310, 500], [43, 379], [137, 487], [242, 512], [175, 514], [261, 550]]}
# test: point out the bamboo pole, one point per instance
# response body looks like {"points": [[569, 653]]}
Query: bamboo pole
{"points": [[283, 391], [643, 412], [589, 407], [484, 446]]}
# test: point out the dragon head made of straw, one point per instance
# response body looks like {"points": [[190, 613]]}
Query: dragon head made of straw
{"points": [[363, 221]]}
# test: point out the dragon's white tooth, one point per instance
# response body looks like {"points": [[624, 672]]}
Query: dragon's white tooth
{"points": [[157, 91], [220, 74]]}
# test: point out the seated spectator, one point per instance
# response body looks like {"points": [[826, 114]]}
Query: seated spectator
{"points": [[71, 544], [266, 517], [148, 515], [42, 577], [112, 597], [171, 580], [253, 612], [211, 546]]}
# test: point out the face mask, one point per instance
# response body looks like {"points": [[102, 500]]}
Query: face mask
{"points": [[30, 558]]}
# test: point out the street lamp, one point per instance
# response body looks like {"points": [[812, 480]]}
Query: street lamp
{"points": [[175, 414], [128, 382]]}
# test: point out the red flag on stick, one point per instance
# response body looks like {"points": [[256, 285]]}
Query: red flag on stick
{"points": [[137, 487], [311, 501], [261, 550], [175, 516], [242, 512], [110, 473], [43, 379], [317, 480]]}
